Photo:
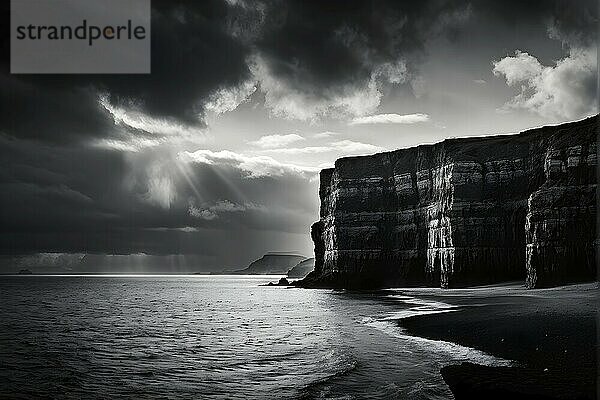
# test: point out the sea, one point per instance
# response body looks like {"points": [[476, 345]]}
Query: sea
{"points": [[214, 337]]}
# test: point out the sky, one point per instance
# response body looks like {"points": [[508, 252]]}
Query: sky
{"points": [[212, 159]]}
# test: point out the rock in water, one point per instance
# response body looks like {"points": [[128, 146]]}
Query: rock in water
{"points": [[462, 212], [283, 282]]}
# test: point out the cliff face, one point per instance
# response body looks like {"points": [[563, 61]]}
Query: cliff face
{"points": [[462, 212]]}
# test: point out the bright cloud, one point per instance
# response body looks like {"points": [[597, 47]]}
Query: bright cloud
{"points": [[275, 141], [129, 144], [519, 68], [229, 98], [346, 147], [325, 135], [140, 130], [566, 90], [211, 212], [391, 119], [160, 186], [285, 100], [252, 166]]}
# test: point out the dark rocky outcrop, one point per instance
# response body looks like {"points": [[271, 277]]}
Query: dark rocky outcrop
{"points": [[281, 282], [272, 263], [302, 269], [462, 212]]}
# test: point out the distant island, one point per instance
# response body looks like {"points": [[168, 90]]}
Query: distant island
{"points": [[272, 263]]}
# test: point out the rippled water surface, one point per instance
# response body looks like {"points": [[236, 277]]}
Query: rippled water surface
{"points": [[211, 337]]}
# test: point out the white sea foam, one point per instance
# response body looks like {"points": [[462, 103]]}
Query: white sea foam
{"points": [[421, 307], [455, 352]]}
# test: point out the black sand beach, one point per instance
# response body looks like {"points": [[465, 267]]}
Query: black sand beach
{"points": [[550, 334]]}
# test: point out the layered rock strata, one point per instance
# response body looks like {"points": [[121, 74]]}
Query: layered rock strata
{"points": [[462, 212]]}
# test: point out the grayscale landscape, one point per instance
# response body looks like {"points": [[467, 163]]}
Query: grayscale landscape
{"points": [[299, 200]]}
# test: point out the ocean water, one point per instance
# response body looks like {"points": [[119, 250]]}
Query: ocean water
{"points": [[213, 337]]}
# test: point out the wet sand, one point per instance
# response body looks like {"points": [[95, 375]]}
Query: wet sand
{"points": [[551, 334]]}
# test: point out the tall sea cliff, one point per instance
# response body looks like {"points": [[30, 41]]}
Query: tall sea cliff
{"points": [[462, 212]]}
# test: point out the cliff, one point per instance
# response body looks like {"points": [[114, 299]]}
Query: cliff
{"points": [[302, 269], [462, 212], [272, 263]]}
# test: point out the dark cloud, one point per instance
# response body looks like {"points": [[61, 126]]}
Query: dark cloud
{"points": [[318, 58], [64, 115], [86, 200], [575, 19], [192, 55], [337, 42]]}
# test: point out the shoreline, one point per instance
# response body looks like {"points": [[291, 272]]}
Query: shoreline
{"points": [[549, 333]]}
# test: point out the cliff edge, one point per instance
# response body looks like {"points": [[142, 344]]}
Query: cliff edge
{"points": [[462, 212]]}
